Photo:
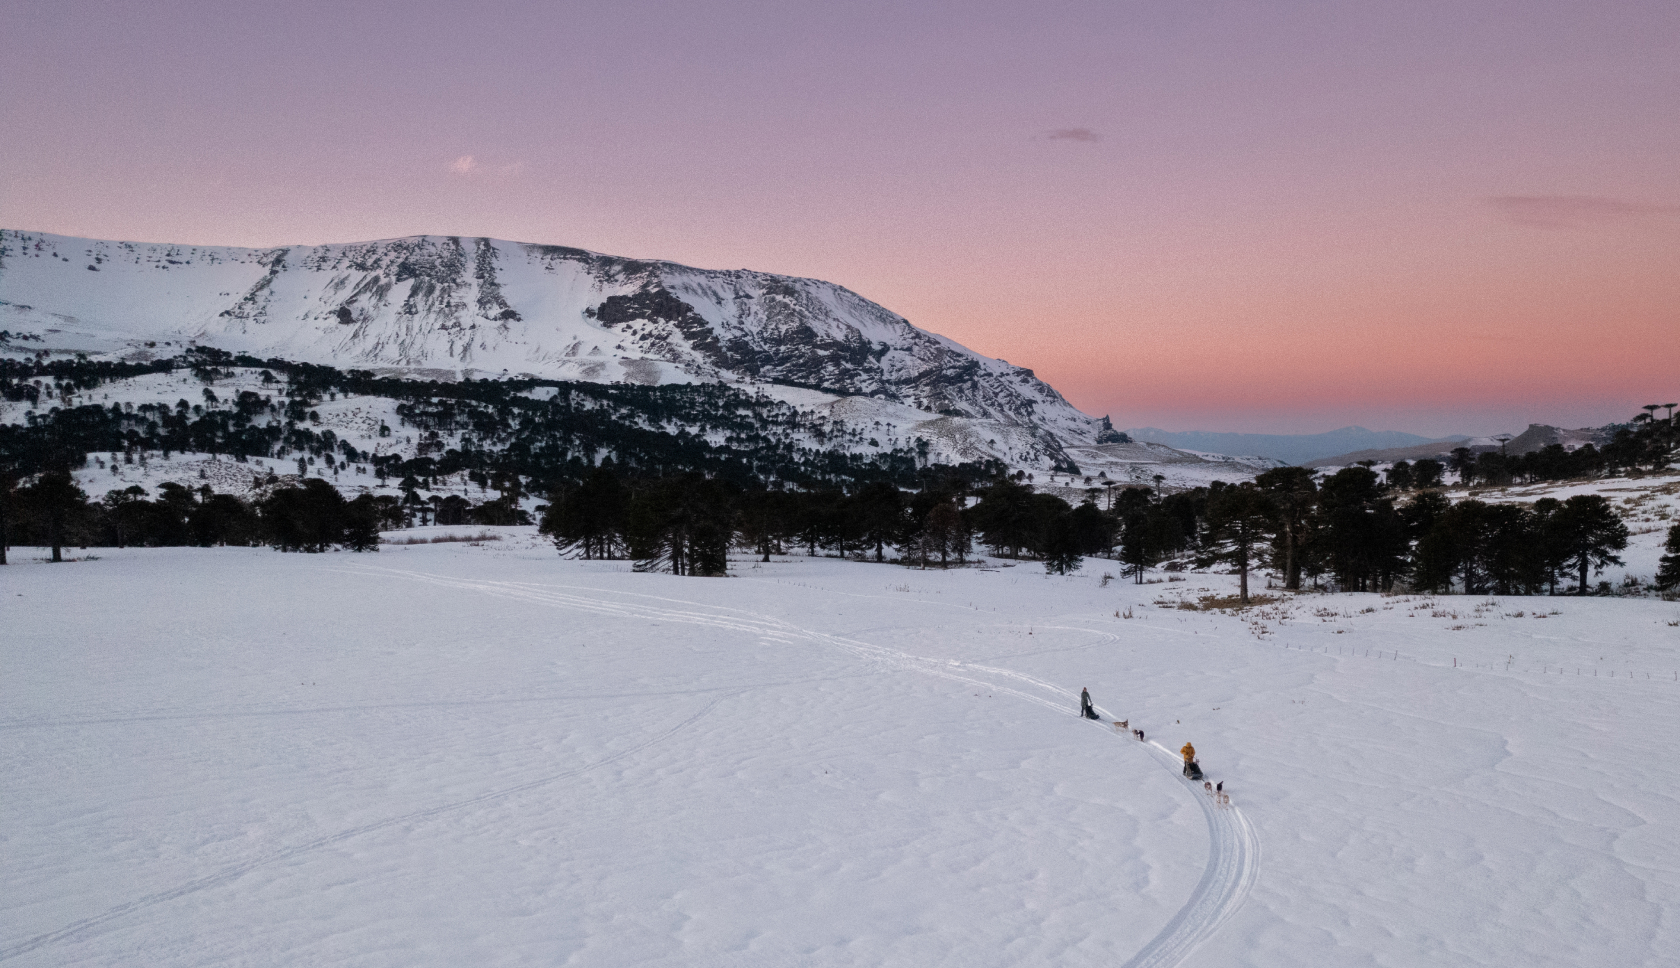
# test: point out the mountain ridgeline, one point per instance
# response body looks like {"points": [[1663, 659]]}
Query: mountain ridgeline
{"points": [[448, 307]]}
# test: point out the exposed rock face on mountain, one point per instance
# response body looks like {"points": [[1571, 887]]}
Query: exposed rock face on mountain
{"points": [[1541, 436], [449, 308], [488, 308]]}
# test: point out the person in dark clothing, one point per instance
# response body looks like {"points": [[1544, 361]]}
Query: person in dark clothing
{"points": [[1085, 709]]}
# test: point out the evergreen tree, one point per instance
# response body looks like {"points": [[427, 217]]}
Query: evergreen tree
{"points": [[1362, 538], [1589, 534], [1438, 556], [937, 528], [311, 518], [810, 518], [123, 511], [590, 518], [1420, 513], [1093, 531], [1140, 522], [1493, 468], [1426, 473], [361, 524], [8, 501], [1060, 546], [1400, 475], [56, 502], [1239, 521], [1293, 493], [683, 523], [1668, 567], [880, 508], [1463, 463], [766, 518], [945, 534], [1553, 549], [1005, 518], [222, 519], [1514, 555]]}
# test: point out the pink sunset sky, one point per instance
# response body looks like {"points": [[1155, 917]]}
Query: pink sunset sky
{"points": [[1271, 217]]}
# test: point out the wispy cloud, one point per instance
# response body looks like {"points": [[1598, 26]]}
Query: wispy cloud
{"points": [[1572, 211], [471, 166], [1075, 134]]}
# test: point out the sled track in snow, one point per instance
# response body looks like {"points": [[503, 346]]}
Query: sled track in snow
{"points": [[1233, 847], [1233, 867]]}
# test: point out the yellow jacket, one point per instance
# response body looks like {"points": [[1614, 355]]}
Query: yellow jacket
{"points": [[1188, 751]]}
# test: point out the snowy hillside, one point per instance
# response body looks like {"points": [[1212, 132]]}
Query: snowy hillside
{"points": [[448, 307], [461, 755], [1288, 448]]}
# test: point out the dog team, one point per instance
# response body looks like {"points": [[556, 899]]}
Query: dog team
{"points": [[1214, 790]]}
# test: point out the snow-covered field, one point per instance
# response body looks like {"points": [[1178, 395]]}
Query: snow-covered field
{"points": [[473, 754]]}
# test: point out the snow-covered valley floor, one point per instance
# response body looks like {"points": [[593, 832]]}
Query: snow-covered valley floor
{"points": [[458, 754]]}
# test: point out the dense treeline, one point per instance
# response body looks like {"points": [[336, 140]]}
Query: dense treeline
{"points": [[674, 477], [53, 512], [1644, 443], [1349, 530], [535, 430]]}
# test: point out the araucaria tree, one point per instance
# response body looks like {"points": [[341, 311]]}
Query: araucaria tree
{"points": [[1240, 520], [1589, 534], [1150, 529], [880, 512], [589, 519], [685, 523], [1006, 519], [1361, 536], [1061, 546], [315, 517], [55, 500], [1668, 567], [8, 486], [1293, 492], [1426, 473], [942, 535], [1495, 548]]}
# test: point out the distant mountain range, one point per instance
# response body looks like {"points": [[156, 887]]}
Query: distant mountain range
{"points": [[1289, 448], [1536, 437], [449, 308]]}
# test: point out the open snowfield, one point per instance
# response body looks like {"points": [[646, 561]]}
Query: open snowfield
{"points": [[456, 754]]}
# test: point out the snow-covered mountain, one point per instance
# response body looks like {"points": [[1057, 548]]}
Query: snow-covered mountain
{"points": [[490, 308], [448, 307]]}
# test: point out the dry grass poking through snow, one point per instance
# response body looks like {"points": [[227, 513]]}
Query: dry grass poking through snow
{"points": [[1209, 603], [443, 539]]}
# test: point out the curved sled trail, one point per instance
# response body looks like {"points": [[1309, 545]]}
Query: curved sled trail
{"points": [[1233, 867], [1233, 848], [594, 600]]}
